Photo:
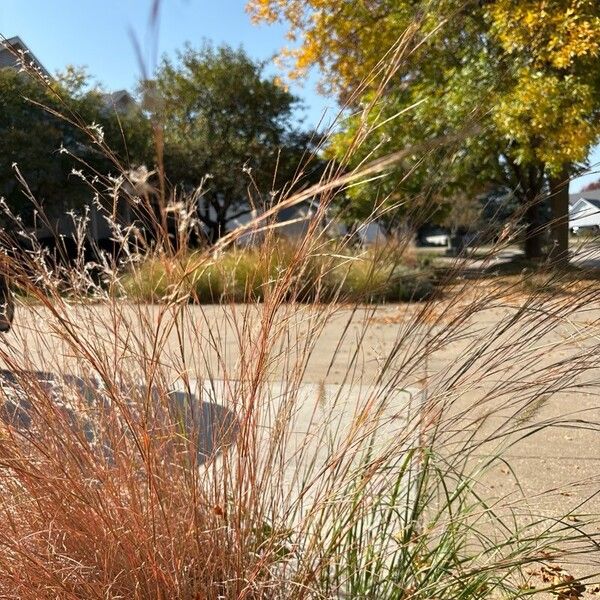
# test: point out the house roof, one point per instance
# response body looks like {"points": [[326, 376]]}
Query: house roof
{"points": [[118, 96], [591, 197], [19, 52], [588, 195], [121, 101], [594, 201]]}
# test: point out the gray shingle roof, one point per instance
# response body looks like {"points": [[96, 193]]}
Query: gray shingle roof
{"points": [[591, 196], [12, 49], [594, 201], [588, 195]]}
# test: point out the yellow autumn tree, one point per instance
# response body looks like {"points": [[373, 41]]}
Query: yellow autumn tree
{"points": [[552, 108], [527, 70]]}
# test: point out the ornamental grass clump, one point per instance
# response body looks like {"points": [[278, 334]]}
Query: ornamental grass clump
{"points": [[110, 486], [377, 274], [227, 423]]}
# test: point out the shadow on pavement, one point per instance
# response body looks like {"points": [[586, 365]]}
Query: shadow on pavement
{"points": [[211, 426]]}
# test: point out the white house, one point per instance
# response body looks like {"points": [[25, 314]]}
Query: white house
{"points": [[584, 211]]}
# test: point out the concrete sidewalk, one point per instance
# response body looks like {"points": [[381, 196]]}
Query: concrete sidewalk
{"points": [[554, 469]]}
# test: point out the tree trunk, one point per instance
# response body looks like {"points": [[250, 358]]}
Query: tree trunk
{"points": [[559, 229], [534, 233], [218, 228]]}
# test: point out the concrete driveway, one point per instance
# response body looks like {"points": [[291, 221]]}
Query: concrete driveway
{"points": [[553, 468]]}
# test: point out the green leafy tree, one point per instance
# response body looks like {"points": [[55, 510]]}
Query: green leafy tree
{"points": [[31, 139], [111, 141], [228, 128], [45, 133]]}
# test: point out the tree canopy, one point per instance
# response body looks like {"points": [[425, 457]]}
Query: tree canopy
{"points": [[228, 128], [47, 147], [526, 71]]}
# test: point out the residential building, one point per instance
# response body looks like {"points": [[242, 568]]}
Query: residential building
{"points": [[584, 211]]}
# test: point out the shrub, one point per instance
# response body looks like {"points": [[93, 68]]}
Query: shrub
{"points": [[246, 275]]}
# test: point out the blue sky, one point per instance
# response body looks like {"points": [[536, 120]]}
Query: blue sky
{"points": [[593, 173], [96, 34]]}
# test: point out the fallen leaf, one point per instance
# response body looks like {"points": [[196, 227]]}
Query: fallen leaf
{"points": [[595, 591]]}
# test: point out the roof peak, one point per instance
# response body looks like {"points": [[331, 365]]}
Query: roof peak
{"points": [[17, 46], [587, 195]]}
